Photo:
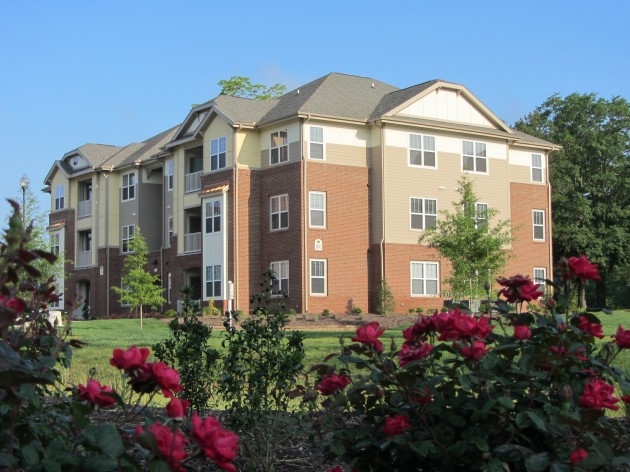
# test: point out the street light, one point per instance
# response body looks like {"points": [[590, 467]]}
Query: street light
{"points": [[24, 183]]}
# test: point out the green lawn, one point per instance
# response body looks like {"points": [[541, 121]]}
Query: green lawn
{"points": [[102, 336]]}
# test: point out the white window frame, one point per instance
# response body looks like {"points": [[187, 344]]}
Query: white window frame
{"points": [[424, 278], [481, 214], [128, 232], [281, 272], [170, 172], [421, 145], [540, 277], [212, 281], [218, 153], [170, 230], [213, 218], [59, 197], [315, 210], [422, 213], [278, 205], [316, 141], [280, 146], [538, 221], [537, 166], [128, 189], [476, 155], [55, 243], [318, 272]]}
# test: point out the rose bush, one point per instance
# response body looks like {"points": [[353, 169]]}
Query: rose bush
{"points": [[518, 391]]}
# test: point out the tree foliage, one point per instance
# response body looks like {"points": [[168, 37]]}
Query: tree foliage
{"points": [[473, 243], [139, 287], [240, 86], [590, 178]]}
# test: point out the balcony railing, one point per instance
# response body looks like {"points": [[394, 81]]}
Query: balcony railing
{"points": [[84, 259], [192, 242], [192, 182], [84, 209]]}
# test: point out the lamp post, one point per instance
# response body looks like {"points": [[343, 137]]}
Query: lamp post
{"points": [[24, 183]]}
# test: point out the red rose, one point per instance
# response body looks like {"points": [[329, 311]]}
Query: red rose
{"points": [[597, 395], [409, 353], [152, 376], [522, 332], [96, 393], [15, 304], [578, 456], [594, 329], [170, 444], [369, 334], [218, 444], [475, 351], [176, 408], [461, 326], [581, 268], [395, 425], [622, 338], [519, 289], [130, 359], [333, 383], [337, 468]]}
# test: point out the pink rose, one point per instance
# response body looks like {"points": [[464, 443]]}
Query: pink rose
{"points": [[96, 393], [395, 425], [581, 268], [578, 456], [333, 383], [218, 444], [171, 444], [475, 351], [597, 395], [622, 338], [522, 332], [176, 408], [369, 334], [409, 353], [594, 329], [130, 359]]}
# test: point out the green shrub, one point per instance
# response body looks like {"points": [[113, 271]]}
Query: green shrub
{"points": [[385, 303], [170, 313], [357, 310]]}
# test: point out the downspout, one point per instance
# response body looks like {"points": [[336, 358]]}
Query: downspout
{"points": [[164, 228], [107, 281], [382, 244], [306, 271], [235, 212], [549, 219]]}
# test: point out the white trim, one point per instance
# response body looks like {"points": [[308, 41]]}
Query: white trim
{"points": [[422, 138], [538, 225], [281, 271], [324, 277], [539, 167], [312, 141], [475, 156], [423, 214], [424, 278], [311, 209], [279, 212]]}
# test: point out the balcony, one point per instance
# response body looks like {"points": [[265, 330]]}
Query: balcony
{"points": [[84, 209], [192, 182], [84, 259], [192, 242]]}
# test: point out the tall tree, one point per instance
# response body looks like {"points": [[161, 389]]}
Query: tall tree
{"points": [[239, 86], [472, 241], [590, 178], [139, 287]]}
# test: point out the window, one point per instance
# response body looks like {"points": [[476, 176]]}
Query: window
{"points": [[537, 169], [85, 190], [213, 216], [317, 208], [170, 167], [474, 157], [318, 277], [213, 281], [423, 213], [538, 222], [481, 217], [279, 212], [59, 197], [54, 243], [128, 186], [316, 144], [279, 147], [281, 272], [170, 229], [424, 278], [540, 277], [421, 150], [217, 153], [127, 236]]}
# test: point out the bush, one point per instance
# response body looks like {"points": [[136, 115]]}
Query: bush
{"points": [[522, 392], [385, 303]]}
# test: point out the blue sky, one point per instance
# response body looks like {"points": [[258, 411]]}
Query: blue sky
{"points": [[116, 72]]}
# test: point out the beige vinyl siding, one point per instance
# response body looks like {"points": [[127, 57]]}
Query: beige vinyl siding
{"points": [[522, 175], [403, 182], [346, 155], [107, 211], [293, 140], [218, 129], [248, 149]]}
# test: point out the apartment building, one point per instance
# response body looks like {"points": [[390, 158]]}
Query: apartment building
{"points": [[329, 185]]}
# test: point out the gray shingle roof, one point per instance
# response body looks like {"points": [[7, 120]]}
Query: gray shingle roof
{"points": [[398, 97], [96, 154]]}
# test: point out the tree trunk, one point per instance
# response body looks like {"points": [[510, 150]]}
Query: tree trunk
{"points": [[600, 293], [581, 294], [140, 316]]}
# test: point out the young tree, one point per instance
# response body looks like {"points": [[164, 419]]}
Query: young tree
{"points": [[471, 241], [139, 286], [239, 86], [590, 178]]}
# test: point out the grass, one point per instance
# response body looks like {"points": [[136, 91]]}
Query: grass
{"points": [[102, 336]]}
